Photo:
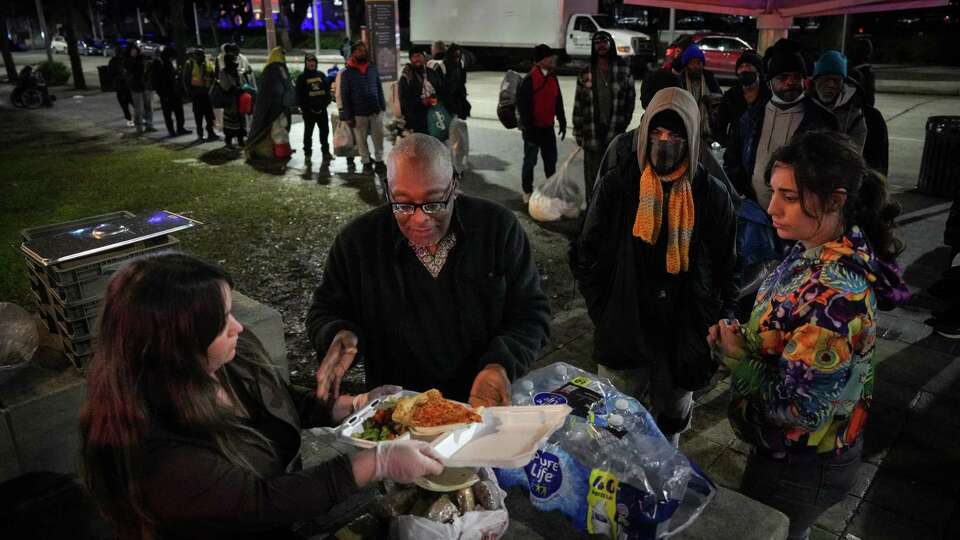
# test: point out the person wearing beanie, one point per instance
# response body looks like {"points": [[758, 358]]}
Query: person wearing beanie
{"points": [[694, 76], [419, 89], [748, 89], [770, 123], [539, 103], [603, 104], [362, 103], [313, 98], [842, 96], [666, 229]]}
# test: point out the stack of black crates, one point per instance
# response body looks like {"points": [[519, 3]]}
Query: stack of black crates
{"points": [[69, 294]]}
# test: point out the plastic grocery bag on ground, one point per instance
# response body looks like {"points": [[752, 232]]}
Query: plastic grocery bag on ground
{"points": [[561, 195], [343, 144], [609, 469], [459, 143], [483, 523]]}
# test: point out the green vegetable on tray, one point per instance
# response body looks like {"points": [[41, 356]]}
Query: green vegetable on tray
{"points": [[380, 426]]}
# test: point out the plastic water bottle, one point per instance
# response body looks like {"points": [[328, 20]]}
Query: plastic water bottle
{"points": [[524, 396], [622, 409], [559, 377]]}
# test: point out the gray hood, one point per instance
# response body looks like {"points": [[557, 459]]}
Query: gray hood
{"points": [[683, 103]]}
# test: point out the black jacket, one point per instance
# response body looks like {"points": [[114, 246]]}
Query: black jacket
{"points": [[195, 492], [453, 96], [134, 71], [732, 108], [410, 89], [604, 264], [117, 68], [164, 78], [740, 155], [313, 92], [502, 314]]}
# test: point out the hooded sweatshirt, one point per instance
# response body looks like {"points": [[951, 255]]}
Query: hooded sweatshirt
{"points": [[805, 382], [849, 112]]}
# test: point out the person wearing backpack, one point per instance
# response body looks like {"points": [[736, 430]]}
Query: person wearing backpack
{"points": [[655, 261], [539, 102], [313, 97], [603, 106], [419, 90]]}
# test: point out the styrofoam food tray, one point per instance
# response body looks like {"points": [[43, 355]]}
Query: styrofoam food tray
{"points": [[508, 437], [354, 423]]}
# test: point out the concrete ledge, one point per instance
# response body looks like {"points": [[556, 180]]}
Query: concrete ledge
{"points": [[736, 516], [266, 323]]}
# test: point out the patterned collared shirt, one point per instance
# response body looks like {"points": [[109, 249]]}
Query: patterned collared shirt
{"points": [[434, 262]]}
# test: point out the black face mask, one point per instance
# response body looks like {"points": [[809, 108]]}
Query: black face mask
{"points": [[665, 156], [747, 78]]}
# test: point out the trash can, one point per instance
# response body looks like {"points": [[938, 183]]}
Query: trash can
{"points": [[940, 166], [106, 80]]}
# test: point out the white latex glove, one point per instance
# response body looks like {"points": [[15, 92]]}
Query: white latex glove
{"points": [[405, 461], [361, 400]]}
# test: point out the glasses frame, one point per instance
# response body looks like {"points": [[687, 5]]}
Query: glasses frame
{"points": [[409, 209]]}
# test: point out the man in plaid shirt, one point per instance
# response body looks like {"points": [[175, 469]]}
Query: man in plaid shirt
{"points": [[603, 106]]}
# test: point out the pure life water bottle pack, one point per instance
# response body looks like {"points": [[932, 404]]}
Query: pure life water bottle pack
{"points": [[608, 469]]}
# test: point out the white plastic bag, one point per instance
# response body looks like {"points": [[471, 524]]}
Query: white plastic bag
{"points": [[561, 195], [477, 525], [459, 143], [343, 143]]}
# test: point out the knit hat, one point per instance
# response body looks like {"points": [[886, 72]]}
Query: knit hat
{"points": [[692, 51], [831, 63], [750, 57], [542, 51], [655, 82], [668, 119], [784, 57]]}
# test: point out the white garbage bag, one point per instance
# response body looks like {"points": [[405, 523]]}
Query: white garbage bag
{"points": [[459, 143], [561, 195], [343, 143]]}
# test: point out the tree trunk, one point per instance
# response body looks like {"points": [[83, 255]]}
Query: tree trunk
{"points": [[180, 33], [76, 66], [5, 48], [161, 27], [213, 20], [284, 30]]}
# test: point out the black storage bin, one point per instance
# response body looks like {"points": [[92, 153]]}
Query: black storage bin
{"points": [[106, 79], [940, 166]]}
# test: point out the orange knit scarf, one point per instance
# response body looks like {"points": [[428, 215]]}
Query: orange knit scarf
{"points": [[680, 216]]}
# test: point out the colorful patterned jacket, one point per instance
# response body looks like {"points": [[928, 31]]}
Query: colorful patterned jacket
{"points": [[806, 380], [584, 106]]}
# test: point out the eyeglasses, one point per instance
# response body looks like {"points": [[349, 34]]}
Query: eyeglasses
{"points": [[429, 208]]}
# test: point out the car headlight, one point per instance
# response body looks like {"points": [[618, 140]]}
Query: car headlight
{"points": [[625, 49]]}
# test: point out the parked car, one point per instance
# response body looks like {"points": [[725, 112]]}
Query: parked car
{"points": [[148, 47], [721, 51], [59, 45]]}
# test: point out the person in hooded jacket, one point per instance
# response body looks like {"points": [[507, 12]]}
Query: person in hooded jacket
{"points": [[802, 368], [694, 75], [419, 89], [840, 95], [165, 79], [197, 78], [229, 79], [770, 123], [655, 259], [603, 104], [270, 134], [313, 98], [748, 89], [453, 91]]}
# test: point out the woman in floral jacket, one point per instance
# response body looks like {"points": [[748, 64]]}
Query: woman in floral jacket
{"points": [[803, 366]]}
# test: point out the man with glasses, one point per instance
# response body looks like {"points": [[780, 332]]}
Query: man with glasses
{"points": [[770, 123], [654, 260], [435, 289]]}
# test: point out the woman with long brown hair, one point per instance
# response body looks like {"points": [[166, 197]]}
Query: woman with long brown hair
{"points": [[188, 431]]}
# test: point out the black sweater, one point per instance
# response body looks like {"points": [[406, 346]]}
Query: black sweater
{"points": [[313, 92], [496, 304]]}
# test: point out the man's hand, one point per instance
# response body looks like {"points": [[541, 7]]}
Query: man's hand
{"points": [[339, 357], [351, 122], [563, 131], [491, 387]]}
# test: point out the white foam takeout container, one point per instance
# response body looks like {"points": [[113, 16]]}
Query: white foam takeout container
{"points": [[508, 438], [354, 423]]}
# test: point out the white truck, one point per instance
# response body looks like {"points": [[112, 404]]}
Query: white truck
{"points": [[496, 33]]}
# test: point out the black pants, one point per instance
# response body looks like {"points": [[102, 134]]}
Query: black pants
{"points": [[542, 141], [126, 100], [321, 121], [172, 108], [202, 109]]}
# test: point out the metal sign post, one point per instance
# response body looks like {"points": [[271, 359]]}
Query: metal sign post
{"points": [[196, 23], [316, 28]]}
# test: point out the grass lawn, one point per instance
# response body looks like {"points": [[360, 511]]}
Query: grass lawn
{"points": [[253, 221]]}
